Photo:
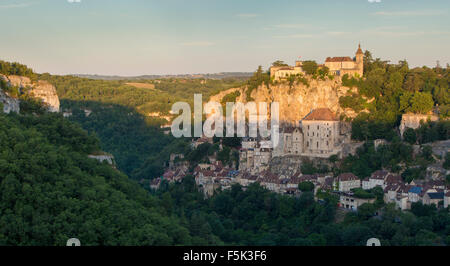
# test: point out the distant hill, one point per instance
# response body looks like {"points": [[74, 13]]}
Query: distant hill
{"points": [[243, 75]]}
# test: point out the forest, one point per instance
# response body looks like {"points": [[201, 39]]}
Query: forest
{"points": [[51, 191]]}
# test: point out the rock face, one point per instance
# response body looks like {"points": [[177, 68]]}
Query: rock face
{"points": [[9, 104], [298, 100], [40, 89], [413, 121], [47, 92]]}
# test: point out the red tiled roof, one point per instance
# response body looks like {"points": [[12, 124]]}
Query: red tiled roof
{"points": [[380, 174], [321, 114], [394, 179], [347, 177], [339, 59]]}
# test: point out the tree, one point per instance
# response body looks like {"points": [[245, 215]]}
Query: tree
{"points": [[306, 186], [310, 67], [418, 102], [366, 211], [279, 63], [447, 161], [410, 136]]}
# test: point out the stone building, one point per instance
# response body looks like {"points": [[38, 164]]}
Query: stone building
{"points": [[350, 202], [346, 182], [254, 160], [321, 133], [291, 142], [433, 198], [376, 179], [447, 199], [282, 72], [338, 66]]}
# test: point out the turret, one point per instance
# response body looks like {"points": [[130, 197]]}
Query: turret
{"points": [[360, 61]]}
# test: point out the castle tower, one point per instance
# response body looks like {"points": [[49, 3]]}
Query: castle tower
{"points": [[360, 61]]}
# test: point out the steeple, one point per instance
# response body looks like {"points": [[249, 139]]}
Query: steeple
{"points": [[359, 50]]}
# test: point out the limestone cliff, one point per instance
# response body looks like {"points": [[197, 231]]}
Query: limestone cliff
{"points": [[40, 89], [9, 104], [298, 100]]}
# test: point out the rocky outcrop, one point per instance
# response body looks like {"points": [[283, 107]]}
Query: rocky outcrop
{"points": [[47, 92], [413, 121], [298, 100], [40, 89], [103, 158], [9, 104]]}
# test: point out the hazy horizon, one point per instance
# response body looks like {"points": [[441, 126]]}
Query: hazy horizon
{"points": [[135, 38]]}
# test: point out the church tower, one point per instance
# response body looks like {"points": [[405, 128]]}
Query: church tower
{"points": [[360, 61]]}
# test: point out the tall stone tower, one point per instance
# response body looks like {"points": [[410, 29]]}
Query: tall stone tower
{"points": [[360, 61]]}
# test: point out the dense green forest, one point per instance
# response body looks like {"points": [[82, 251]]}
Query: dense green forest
{"points": [[51, 191]]}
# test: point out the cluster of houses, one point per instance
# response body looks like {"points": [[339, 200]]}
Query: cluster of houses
{"points": [[215, 176], [403, 195]]}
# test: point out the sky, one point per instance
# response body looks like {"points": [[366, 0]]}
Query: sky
{"points": [[138, 37]]}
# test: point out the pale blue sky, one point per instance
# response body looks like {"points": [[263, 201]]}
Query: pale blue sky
{"points": [[134, 37]]}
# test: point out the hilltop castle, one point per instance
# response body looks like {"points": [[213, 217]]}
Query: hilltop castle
{"points": [[338, 66]]}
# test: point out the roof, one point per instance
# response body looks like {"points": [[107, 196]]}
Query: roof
{"points": [[321, 114], [380, 174], [415, 190], [359, 50], [339, 59], [447, 194], [347, 177], [436, 195]]}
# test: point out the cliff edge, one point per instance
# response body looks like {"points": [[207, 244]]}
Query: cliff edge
{"points": [[40, 90]]}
